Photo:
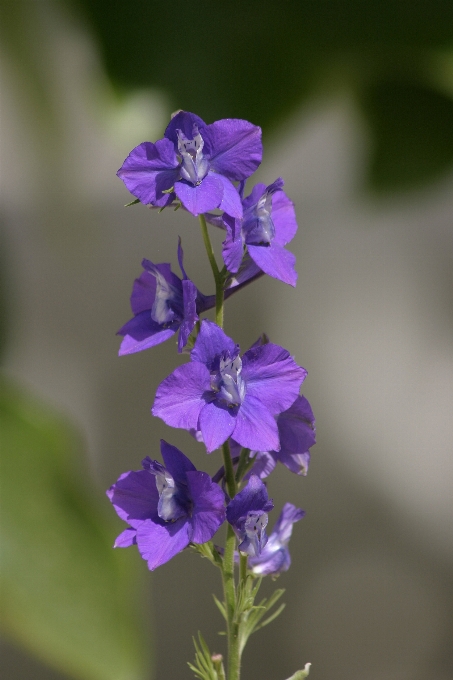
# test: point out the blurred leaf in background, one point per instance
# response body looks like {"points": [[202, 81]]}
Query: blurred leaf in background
{"points": [[261, 60], [66, 595]]}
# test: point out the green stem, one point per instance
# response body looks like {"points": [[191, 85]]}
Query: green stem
{"points": [[219, 276], [243, 568], [229, 585], [234, 656], [208, 246]]}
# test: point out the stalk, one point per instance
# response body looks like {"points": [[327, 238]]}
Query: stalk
{"points": [[219, 276], [229, 585]]}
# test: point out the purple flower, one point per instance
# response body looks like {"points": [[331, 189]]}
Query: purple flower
{"points": [[247, 514], [166, 507], [297, 433], [267, 225], [196, 162], [275, 557], [223, 395], [162, 303]]}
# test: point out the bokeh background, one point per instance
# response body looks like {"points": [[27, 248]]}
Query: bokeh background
{"points": [[356, 104]]}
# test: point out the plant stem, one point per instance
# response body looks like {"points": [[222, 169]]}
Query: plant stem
{"points": [[243, 568], [219, 276], [208, 246], [229, 585]]}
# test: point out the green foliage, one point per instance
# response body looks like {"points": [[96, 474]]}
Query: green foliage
{"points": [[209, 551], [250, 616], [256, 61], [68, 596], [206, 666], [412, 128], [300, 675]]}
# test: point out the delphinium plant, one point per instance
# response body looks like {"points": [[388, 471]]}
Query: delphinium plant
{"points": [[247, 405]]}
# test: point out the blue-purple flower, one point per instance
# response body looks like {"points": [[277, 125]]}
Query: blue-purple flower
{"points": [[275, 557], [267, 225], [196, 162], [162, 304], [247, 514], [167, 507], [224, 395], [297, 434]]}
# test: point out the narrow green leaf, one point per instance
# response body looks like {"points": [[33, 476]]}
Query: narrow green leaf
{"points": [[68, 597], [221, 607], [137, 200], [270, 618], [300, 675]]}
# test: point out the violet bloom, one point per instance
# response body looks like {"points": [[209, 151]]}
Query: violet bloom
{"points": [[297, 433], [166, 507], [196, 162], [268, 224], [247, 514], [223, 395], [275, 557], [162, 304]]}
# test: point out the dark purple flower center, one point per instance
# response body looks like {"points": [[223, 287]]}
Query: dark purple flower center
{"points": [[194, 165], [227, 382], [257, 226], [168, 302]]}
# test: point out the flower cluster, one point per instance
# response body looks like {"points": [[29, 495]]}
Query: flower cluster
{"points": [[248, 404]]}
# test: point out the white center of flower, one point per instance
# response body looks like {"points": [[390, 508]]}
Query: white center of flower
{"points": [[195, 165], [228, 382], [257, 225], [168, 507], [163, 311]]}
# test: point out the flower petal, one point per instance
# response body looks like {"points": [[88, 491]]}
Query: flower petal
{"points": [[273, 377], [134, 496], [255, 426], [254, 196], [200, 198], [231, 201], [158, 543], [189, 292], [211, 342], [142, 332], [296, 427], [284, 525], [149, 169], [176, 462], [143, 292], [126, 538], [208, 506], [234, 147], [248, 272], [253, 497], [295, 462], [216, 425], [284, 218], [233, 247], [184, 121], [179, 398], [275, 261], [265, 462]]}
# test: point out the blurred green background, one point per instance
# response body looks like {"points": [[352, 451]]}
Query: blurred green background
{"points": [[356, 104]]}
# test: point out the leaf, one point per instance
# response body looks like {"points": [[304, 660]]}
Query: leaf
{"points": [[68, 597], [412, 133], [300, 675]]}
